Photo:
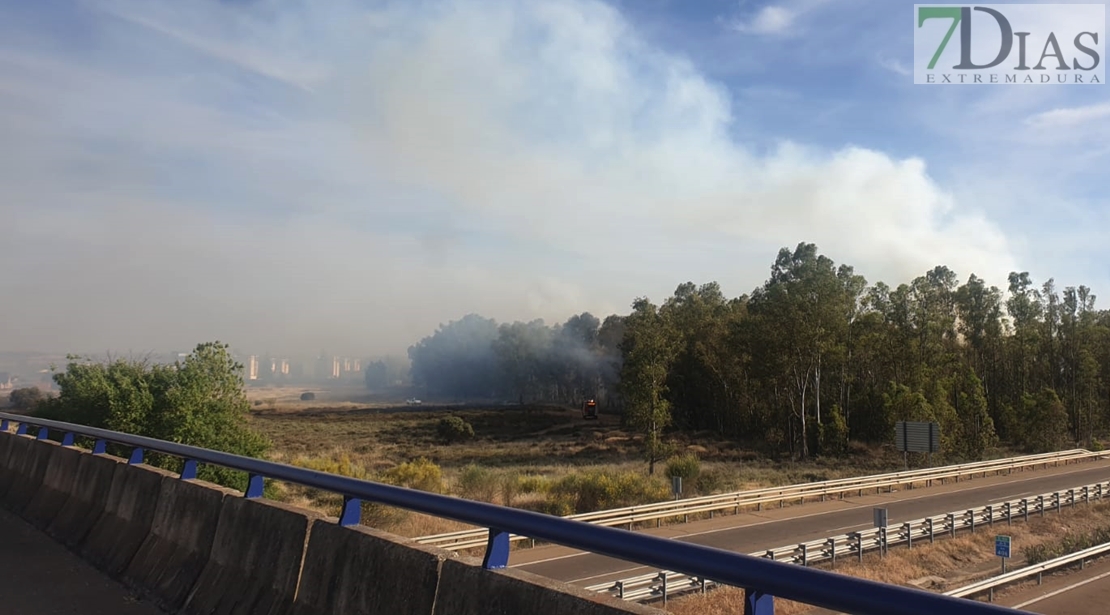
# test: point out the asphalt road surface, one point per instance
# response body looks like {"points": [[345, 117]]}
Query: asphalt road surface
{"points": [[771, 528], [38, 576], [1072, 592]]}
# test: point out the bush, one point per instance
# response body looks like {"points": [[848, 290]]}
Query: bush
{"points": [[420, 474], [710, 482], [26, 398], [308, 396], [199, 401], [478, 483], [600, 490], [453, 429], [685, 466], [1067, 545]]}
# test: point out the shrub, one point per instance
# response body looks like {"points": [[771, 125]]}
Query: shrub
{"points": [[26, 398], [710, 482], [685, 466], [420, 474], [478, 483], [599, 490], [454, 429], [308, 396]]}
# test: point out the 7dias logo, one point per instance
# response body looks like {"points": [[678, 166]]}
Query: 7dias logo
{"points": [[1009, 44]]}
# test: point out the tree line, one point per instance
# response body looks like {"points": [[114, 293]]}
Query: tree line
{"points": [[812, 358]]}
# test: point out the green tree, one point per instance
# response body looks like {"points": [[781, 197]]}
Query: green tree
{"points": [[1045, 422], [199, 401], [649, 348]]}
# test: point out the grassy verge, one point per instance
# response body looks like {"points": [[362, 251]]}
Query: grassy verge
{"points": [[947, 564]]}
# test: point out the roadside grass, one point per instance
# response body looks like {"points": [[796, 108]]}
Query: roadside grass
{"points": [[537, 457], [942, 566]]}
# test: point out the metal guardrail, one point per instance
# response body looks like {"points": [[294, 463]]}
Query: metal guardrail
{"points": [[667, 583], [989, 585], [465, 539], [762, 579]]}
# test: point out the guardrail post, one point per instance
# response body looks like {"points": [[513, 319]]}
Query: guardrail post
{"points": [[43, 433], [1025, 508], [909, 534], [352, 511], [882, 542], [1056, 498], [758, 603], [4, 424], [1009, 514], [69, 438], [664, 575], [21, 430], [100, 447], [971, 515], [990, 515], [805, 554], [189, 470], [950, 519], [497, 549], [832, 551], [255, 486], [137, 455], [1040, 504], [858, 538], [620, 589], [929, 525]]}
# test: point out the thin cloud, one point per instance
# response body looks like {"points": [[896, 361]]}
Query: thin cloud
{"points": [[1069, 117]]}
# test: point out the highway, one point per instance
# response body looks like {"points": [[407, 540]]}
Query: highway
{"points": [[1072, 592], [38, 576], [775, 527]]}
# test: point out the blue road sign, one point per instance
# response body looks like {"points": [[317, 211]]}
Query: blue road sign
{"points": [[1002, 546]]}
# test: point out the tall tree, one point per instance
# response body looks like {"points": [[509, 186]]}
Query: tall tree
{"points": [[649, 347]]}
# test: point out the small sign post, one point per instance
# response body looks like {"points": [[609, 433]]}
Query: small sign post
{"points": [[1002, 549], [879, 515], [676, 486]]}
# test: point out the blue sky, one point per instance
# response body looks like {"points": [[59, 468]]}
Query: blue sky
{"points": [[290, 176]]}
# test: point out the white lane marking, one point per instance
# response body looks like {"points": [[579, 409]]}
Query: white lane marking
{"points": [[828, 512], [850, 527], [1062, 590], [1015, 497]]}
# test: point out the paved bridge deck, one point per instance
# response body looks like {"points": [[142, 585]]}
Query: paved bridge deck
{"points": [[38, 576]]}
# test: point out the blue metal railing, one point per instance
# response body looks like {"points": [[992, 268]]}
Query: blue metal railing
{"points": [[762, 579]]}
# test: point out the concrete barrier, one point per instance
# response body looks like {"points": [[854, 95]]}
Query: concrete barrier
{"points": [[125, 523], [465, 588], [7, 474], [57, 484], [87, 498], [29, 459], [255, 563], [175, 552], [358, 570], [210, 551]]}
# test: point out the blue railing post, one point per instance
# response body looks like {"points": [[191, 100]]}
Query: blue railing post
{"points": [[21, 430], [137, 455], [497, 550], [352, 511], [4, 425], [100, 447], [69, 438], [43, 433], [758, 603], [189, 470], [255, 486]]}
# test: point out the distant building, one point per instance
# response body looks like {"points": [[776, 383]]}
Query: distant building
{"points": [[6, 381], [252, 368]]}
